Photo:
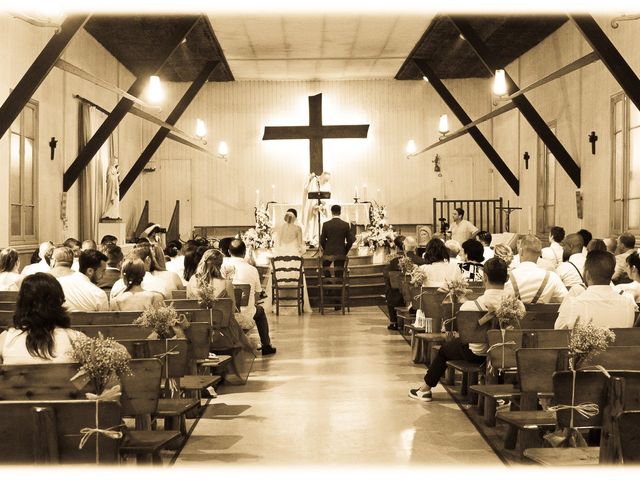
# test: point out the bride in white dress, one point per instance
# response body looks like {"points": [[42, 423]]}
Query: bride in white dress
{"points": [[288, 242]]}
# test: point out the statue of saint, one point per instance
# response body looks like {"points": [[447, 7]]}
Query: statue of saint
{"points": [[111, 204]]}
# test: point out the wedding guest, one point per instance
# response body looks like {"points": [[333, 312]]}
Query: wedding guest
{"points": [[485, 239], [41, 331], [505, 253], [586, 238], [410, 246], [76, 248], [596, 244], [553, 253], [612, 244], [248, 275], [570, 270], [176, 257], [393, 296], [208, 272], [114, 262], [600, 303], [626, 246], [461, 229], [223, 245], [454, 249], [80, 288], [495, 276], [633, 271], [472, 257], [149, 282], [438, 269], [61, 261], [529, 282], [10, 279], [108, 239], [45, 249], [191, 260], [171, 280], [89, 245], [135, 298]]}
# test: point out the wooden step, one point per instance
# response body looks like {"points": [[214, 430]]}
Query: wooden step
{"points": [[354, 270], [373, 289], [353, 260], [357, 301]]}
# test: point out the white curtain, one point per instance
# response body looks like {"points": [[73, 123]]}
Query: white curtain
{"points": [[94, 176]]}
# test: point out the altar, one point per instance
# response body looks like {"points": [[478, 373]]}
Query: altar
{"points": [[356, 213]]}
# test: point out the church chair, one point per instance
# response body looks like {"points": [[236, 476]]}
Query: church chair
{"points": [[395, 280], [8, 296], [333, 278], [118, 332], [242, 292], [184, 304], [470, 332], [179, 294], [263, 272], [627, 431], [287, 281], [48, 432], [199, 335]]}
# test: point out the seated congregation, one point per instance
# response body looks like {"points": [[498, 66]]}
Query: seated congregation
{"points": [[513, 337]]}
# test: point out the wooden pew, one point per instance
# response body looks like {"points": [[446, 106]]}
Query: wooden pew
{"points": [[8, 296], [7, 306], [627, 430], [179, 294], [48, 432]]}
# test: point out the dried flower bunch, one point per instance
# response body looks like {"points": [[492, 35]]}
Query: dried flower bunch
{"points": [[206, 295], [587, 341], [379, 232], [101, 359], [161, 319], [510, 312], [261, 236], [417, 277], [457, 290], [406, 265]]}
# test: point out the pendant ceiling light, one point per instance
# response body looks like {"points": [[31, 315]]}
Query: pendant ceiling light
{"points": [[411, 147], [443, 124], [155, 93], [500, 83]]}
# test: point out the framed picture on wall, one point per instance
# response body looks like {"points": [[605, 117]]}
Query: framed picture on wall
{"points": [[423, 234]]}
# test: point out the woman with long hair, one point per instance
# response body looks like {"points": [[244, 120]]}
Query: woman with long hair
{"points": [[41, 330], [10, 279], [438, 270], [158, 269], [135, 298]]}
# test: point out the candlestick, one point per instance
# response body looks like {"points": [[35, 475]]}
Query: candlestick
{"points": [[273, 193], [378, 195], [356, 194], [364, 192], [257, 198]]}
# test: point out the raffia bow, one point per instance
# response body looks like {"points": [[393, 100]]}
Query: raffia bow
{"points": [[173, 385], [112, 394], [501, 344]]}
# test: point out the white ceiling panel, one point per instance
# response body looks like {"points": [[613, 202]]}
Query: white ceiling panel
{"points": [[317, 47]]}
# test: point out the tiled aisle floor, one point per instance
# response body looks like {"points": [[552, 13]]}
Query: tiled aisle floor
{"points": [[334, 394]]}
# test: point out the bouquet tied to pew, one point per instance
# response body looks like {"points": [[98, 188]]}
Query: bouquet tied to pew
{"points": [[406, 265], [164, 321], [587, 341], [102, 361], [510, 312]]}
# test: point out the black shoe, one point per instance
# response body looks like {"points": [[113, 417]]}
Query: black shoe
{"points": [[392, 326], [268, 350]]}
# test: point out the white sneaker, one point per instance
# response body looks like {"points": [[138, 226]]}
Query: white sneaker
{"points": [[417, 394]]}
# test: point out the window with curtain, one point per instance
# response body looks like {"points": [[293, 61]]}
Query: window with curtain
{"points": [[23, 176], [546, 201], [625, 163]]}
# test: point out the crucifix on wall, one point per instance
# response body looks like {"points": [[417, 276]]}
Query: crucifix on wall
{"points": [[315, 132]]}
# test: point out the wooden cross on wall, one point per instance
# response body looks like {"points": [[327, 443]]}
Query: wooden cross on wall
{"points": [[315, 132]]}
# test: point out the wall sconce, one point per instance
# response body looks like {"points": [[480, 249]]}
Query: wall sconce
{"points": [[201, 130], [443, 126], [436, 165], [223, 150], [500, 83], [411, 147], [155, 93], [424, 77], [526, 158]]}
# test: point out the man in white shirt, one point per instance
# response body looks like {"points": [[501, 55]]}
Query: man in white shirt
{"points": [[248, 275], [80, 291], [531, 283], [149, 282], [42, 266], [461, 229], [586, 238], [495, 276], [485, 239], [553, 253], [600, 303], [571, 271], [626, 246]]}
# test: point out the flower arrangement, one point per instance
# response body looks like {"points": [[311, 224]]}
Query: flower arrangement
{"points": [[417, 276], [406, 265], [101, 360], [206, 295], [379, 232], [162, 319], [456, 290], [261, 236], [510, 312], [587, 341]]}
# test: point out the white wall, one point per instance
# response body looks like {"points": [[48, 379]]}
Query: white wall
{"points": [[20, 43], [223, 193]]}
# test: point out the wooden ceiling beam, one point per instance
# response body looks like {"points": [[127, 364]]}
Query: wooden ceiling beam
{"points": [[475, 133], [39, 70], [173, 117], [528, 111], [609, 55], [163, 53]]}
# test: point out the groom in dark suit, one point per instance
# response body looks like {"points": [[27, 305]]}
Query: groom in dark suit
{"points": [[336, 237]]}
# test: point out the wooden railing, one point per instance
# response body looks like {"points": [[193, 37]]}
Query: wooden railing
{"points": [[484, 214]]}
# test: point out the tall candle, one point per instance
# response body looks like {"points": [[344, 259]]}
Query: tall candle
{"points": [[364, 191], [378, 195], [356, 194], [257, 198], [273, 193]]}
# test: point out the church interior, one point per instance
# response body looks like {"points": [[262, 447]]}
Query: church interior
{"points": [[346, 202]]}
